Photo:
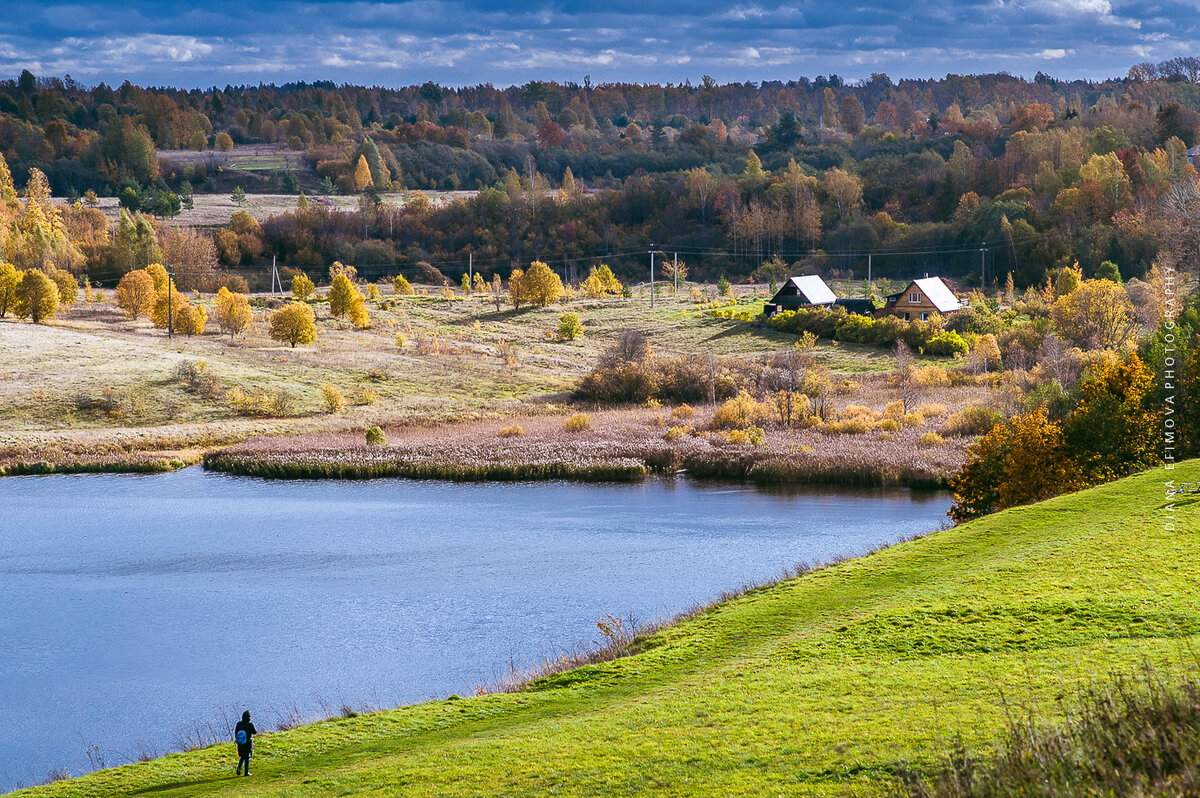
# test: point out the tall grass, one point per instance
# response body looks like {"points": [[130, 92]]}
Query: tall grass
{"points": [[1136, 736]]}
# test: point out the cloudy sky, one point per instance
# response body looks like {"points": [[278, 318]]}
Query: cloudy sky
{"points": [[465, 42]]}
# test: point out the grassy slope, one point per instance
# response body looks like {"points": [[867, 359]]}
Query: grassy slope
{"points": [[820, 685]]}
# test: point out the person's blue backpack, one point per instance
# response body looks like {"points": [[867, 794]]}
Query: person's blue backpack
{"points": [[241, 737]]}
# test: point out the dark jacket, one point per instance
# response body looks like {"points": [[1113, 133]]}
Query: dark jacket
{"points": [[244, 748]]}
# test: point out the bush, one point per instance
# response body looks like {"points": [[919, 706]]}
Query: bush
{"points": [[259, 402], [514, 431], [135, 293], [946, 344], [333, 400], [683, 411], [578, 423], [37, 296], [402, 286], [928, 439], [675, 433], [341, 296], [971, 420], [739, 412], [375, 437], [191, 320], [569, 326]]}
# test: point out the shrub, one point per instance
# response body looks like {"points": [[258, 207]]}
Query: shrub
{"points": [[932, 410], [569, 326], [10, 278], [971, 420], [367, 396], [945, 344], [514, 431], [259, 402], [675, 433], [928, 439], [375, 437], [894, 410], [372, 291], [191, 320], [723, 288], [359, 316], [294, 324], [578, 423], [402, 286], [739, 412], [914, 419], [67, 284], [857, 425], [332, 398], [302, 287], [683, 411]]}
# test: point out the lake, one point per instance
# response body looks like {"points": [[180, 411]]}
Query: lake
{"points": [[135, 607]]}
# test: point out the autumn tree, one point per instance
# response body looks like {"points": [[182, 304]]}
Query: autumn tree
{"points": [[1096, 314], [37, 296], [362, 174], [341, 296], [233, 312], [402, 286], [1020, 461], [516, 289], [191, 319], [357, 312], [10, 278], [135, 293], [843, 189], [294, 323], [223, 142], [302, 286], [540, 285], [851, 114], [1113, 431]]}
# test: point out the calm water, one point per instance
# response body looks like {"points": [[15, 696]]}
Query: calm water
{"points": [[132, 607]]}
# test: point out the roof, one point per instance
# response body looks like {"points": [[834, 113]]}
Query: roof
{"points": [[813, 288], [939, 294]]}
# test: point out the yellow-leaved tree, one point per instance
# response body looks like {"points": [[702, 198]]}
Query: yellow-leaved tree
{"points": [[402, 286], [294, 323], [37, 296], [362, 174], [135, 293], [191, 320], [358, 312], [302, 286], [540, 285], [1096, 315], [10, 278], [341, 296], [233, 312]]}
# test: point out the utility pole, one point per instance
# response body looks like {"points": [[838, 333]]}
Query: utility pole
{"points": [[676, 273], [651, 277], [275, 278], [982, 265], [170, 281], [868, 271], [470, 268]]}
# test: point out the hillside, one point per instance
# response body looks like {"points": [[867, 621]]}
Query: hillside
{"points": [[819, 685]]}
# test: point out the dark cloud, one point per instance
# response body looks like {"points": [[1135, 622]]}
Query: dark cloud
{"points": [[474, 41]]}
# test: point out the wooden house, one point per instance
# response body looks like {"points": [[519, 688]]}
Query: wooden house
{"points": [[921, 299], [800, 292]]}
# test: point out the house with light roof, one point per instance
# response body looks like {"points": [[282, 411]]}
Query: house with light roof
{"points": [[921, 299], [806, 291]]}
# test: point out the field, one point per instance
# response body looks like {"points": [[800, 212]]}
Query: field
{"points": [[115, 388], [828, 683]]}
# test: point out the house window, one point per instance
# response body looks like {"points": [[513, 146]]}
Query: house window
{"points": [[914, 298], [924, 317], [906, 317]]}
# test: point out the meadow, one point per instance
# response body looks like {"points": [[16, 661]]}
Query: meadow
{"points": [[836, 681], [119, 398]]}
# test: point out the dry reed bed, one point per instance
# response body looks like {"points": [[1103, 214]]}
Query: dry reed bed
{"points": [[620, 445]]}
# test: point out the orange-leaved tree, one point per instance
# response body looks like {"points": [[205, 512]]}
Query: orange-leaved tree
{"points": [[1020, 461], [1114, 430]]}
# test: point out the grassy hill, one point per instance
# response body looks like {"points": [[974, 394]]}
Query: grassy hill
{"points": [[823, 684]]}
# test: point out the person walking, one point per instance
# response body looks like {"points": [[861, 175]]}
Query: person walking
{"points": [[243, 735]]}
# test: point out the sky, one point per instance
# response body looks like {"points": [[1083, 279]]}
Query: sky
{"points": [[468, 42]]}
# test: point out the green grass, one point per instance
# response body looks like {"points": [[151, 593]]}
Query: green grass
{"points": [[821, 685]]}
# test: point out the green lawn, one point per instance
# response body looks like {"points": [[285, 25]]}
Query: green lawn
{"points": [[824, 684]]}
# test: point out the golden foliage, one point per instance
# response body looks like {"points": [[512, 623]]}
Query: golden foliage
{"points": [[136, 294], [191, 320], [402, 286], [294, 324], [302, 286], [332, 399], [233, 312], [341, 295], [10, 278], [578, 423], [37, 296]]}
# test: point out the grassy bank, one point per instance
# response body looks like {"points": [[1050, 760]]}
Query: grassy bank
{"points": [[825, 684]]}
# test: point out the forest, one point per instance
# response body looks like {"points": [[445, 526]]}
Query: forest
{"points": [[974, 177]]}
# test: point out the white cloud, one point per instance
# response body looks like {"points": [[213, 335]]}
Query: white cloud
{"points": [[1054, 53]]}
